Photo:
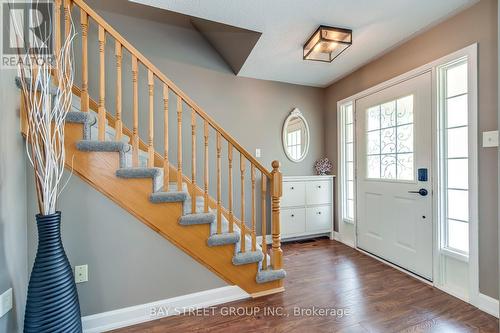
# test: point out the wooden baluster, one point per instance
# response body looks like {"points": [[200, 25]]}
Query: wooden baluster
{"points": [[57, 27], [276, 193], [151, 148], [230, 184], [219, 189], [68, 4], [166, 164], [243, 225], [254, 239], [84, 98], [263, 195], [193, 161], [179, 143], [118, 122], [135, 103], [102, 86], [206, 167]]}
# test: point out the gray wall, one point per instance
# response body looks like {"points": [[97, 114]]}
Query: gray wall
{"points": [[122, 252], [129, 264], [476, 24], [13, 243], [252, 111]]}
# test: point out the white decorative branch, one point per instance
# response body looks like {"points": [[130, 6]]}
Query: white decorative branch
{"points": [[47, 89]]}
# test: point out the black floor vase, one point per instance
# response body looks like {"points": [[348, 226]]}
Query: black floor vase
{"points": [[52, 303]]}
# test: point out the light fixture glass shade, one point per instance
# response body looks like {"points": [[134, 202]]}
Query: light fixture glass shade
{"points": [[327, 43]]}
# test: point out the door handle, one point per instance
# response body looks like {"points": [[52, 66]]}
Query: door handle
{"points": [[423, 192]]}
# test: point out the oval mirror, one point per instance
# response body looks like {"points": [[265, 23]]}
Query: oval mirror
{"points": [[295, 136]]}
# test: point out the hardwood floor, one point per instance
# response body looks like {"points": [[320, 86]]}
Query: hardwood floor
{"points": [[328, 275]]}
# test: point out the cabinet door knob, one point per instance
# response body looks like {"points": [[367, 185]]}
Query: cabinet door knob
{"points": [[293, 215], [319, 213], [319, 186], [292, 188]]}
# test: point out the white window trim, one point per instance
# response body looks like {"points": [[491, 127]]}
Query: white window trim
{"points": [[473, 258], [442, 144], [342, 162]]}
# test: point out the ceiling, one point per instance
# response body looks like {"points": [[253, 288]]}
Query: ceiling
{"points": [[286, 24]]}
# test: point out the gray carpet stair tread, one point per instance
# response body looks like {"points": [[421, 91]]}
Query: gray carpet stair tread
{"points": [[81, 117], [188, 205], [170, 196], [172, 187], [269, 275], [19, 84], [105, 146], [242, 258], [139, 172], [199, 218], [156, 174], [223, 239], [86, 118]]}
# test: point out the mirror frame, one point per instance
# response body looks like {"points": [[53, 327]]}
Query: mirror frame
{"points": [[295, 113]]}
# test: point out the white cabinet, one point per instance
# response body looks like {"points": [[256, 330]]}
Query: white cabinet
{"points": [[295, 194], [307, 206], [293, 221], [319, 192]]}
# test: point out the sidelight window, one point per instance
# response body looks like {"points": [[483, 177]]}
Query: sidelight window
{"points": [[454, 117], [347, 114]]}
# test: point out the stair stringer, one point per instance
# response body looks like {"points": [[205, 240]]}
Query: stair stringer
{"points": [[99, 170]]}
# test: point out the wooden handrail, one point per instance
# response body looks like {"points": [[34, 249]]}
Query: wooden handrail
{"points": [[143, 146], [156, 159], [150, 66]]}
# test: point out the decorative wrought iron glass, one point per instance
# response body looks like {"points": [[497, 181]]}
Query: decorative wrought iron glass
{"points": [[327, 43], [390, 140]]}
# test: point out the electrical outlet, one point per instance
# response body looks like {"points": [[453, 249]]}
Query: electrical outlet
{"points": [[257, 152], [81, 273], [490, 139], [5, 302]]}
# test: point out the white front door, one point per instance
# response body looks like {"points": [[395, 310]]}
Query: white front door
{"points": [[394, 156]]}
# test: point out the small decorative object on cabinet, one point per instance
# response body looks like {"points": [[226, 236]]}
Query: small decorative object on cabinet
{"points": [[323, 166], [307, 207], [52, 301]]}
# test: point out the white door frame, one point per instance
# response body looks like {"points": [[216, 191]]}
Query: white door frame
{"points": [[470, 51]]}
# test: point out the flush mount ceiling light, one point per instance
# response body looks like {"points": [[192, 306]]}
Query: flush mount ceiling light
{"points": [[327, 43]]}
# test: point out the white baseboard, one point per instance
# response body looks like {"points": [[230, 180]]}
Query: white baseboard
{"points": [[488, 304], [338, 237], [455, 291], [119, 318]]}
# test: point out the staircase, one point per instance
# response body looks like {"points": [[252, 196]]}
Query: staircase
{"points": [[124, 165]]}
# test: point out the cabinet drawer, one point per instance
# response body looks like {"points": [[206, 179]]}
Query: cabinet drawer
{"points": [[294, 194], [319, 192], [319, 218], [293, 221]]}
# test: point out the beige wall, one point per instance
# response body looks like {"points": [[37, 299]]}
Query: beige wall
{"points": [[476, 24]]}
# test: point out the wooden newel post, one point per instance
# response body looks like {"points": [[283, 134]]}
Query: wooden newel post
{"points": [[276, 193]]}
